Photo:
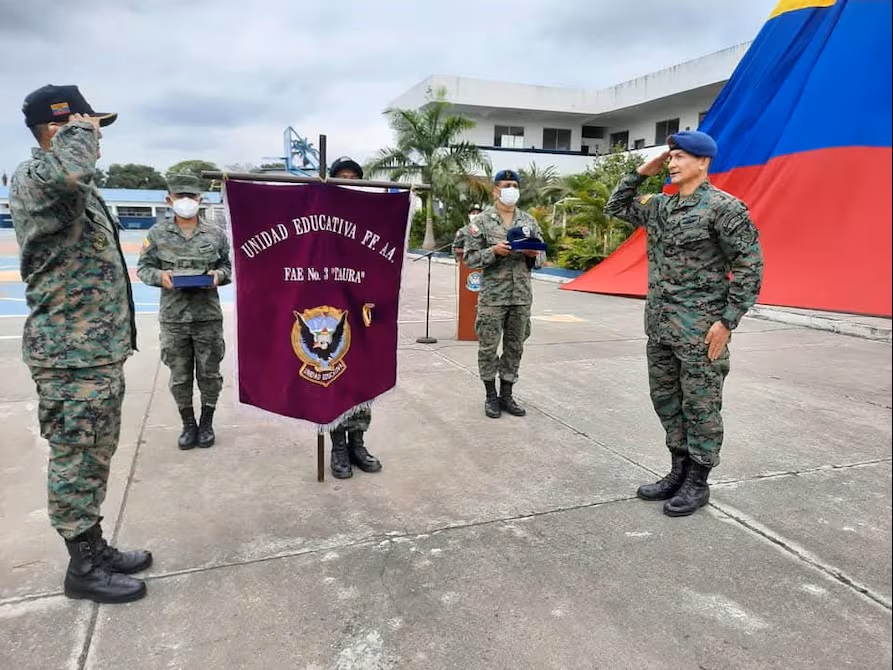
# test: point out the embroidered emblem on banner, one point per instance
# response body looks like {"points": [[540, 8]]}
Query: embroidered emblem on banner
{"points": [[320, 337], [473, 283]]}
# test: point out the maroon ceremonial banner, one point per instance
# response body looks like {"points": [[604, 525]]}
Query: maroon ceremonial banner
{"points": [[317, 284]]}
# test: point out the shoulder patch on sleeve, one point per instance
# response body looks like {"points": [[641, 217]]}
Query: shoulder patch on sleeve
{"points": [[146, 243], [643, 199], [474, 229]]}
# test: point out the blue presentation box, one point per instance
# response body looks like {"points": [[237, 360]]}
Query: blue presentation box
{"points": [[193, 281]]}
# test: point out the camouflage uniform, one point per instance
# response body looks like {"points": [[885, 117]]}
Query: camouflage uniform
{"points": [[191, 318], [81, 325], [459, 241], [506, 295], [357, 422], [693, 245]]}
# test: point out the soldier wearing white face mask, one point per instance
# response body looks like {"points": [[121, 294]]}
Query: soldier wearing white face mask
{"points": [[506, 243], [189, 258]]}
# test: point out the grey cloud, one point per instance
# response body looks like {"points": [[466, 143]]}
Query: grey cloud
{"points": [[227, 90], [655, 24], [42, 19], [205, 111]]}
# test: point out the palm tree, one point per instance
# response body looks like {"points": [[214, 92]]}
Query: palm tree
{"points": [[539, 186], [428, 149]]}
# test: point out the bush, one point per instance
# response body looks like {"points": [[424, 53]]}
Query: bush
{"points": [[580, 253]]}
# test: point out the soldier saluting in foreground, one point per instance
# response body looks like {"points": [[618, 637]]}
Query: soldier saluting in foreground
{"points": [[696, 238], [78, 334]]}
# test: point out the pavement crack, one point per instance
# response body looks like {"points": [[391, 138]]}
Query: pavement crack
{"points": [[801, 554], [372, 540], [797, 473], [94, 615], [140, 440]]}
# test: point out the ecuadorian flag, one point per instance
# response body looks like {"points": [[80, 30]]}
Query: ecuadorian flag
{"points": [[804, 134]]}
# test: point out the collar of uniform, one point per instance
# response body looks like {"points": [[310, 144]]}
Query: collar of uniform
{"points": [[494, 214], [200, 227], [695, 197], [37, 152]]}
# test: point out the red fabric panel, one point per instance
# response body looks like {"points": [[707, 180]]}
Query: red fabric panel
{"points": [[825, 224]]}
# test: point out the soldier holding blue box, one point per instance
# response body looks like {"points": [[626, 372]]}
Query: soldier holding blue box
{"points": [[189, 258]]}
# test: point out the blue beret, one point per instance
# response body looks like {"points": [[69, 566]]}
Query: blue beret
{"points": [[522, 237], [506, 175], [693, 142]]}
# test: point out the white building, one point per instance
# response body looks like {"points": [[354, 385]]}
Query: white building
{"points": [[135, 208], [519, 124]]}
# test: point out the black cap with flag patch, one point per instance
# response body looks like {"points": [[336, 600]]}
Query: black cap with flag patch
{"points": [[54, 104]]}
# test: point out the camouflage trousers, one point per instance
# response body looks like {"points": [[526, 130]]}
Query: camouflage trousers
{"points": [[357, 422], [193, 351], [509, 323], [686, 391], [79, 411]]}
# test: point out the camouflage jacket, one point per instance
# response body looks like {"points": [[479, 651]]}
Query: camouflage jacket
{"points": [[78, 286], [505, 280], [694, 243], [165, 248], [459, 241]]}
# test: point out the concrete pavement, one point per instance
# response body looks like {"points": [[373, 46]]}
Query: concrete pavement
{"points": [[509, 544]]}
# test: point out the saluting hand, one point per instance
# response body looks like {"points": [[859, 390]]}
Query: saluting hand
{"points": [[654, 166], [716, 340], [92, 120]]}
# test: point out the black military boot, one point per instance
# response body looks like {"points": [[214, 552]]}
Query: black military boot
{"points": [[694, 492], [87, 577], [125, 562], [189, 436], [358, 454], [206, 427], [491, 404], [340, 458], [666, 488], [507, 402]]}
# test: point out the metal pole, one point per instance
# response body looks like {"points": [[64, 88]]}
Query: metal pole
{"points": [[320, 438], [296, 179], [428, 339], [322, 157]]}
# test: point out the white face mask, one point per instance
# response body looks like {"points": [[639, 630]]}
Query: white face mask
{"points": [[509, 195], [185, 208]]}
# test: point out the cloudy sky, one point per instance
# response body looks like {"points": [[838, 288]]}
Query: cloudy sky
{"points": [[221, 79]]}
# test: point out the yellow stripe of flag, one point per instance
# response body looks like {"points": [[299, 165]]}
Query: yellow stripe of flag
{"points": [[785, 6]]}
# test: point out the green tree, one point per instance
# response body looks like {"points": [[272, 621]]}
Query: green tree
{"points": [[194, 167], [427, 147], [539, 186], [133, 175]]}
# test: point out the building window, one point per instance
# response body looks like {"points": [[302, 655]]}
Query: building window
{"points": [[639, 144], [594, 132], [558, 139], [509, 137], [620, 138], [134, 211], [663, 129], [701, 117]]}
